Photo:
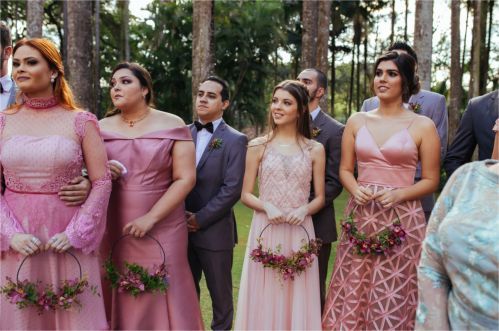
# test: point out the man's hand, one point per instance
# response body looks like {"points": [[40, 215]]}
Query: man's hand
{"points": [[76, 192], [192, 223]]}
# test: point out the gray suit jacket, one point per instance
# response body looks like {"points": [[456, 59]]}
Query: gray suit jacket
{"points": [[12, 96], [475, 129], [433, 106], [330, 135], [219, 181]]}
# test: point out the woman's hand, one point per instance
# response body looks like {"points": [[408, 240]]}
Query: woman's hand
{"points": [[25, 244], [363, 195], [59, 243], [140, 226], [274, 215], [389, 197], [297, 216], [116, 169]]}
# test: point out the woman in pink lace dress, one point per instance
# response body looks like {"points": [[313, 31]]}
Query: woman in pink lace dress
{"points": [[285, 162], [44, 141], [157, 151], [373, 288]]}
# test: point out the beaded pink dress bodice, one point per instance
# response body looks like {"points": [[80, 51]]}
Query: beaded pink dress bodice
{"points": [[40, 154], [284, 180]]}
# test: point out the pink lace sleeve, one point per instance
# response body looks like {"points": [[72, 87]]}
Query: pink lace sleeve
{"points": [[86, 229], [9, 226]]}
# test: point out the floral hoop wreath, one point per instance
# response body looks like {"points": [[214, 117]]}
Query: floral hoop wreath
{"points": [[381, 243], [286, 266], [43, 297], [137, 279]]}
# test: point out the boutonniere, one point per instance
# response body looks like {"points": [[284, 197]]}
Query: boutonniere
{"points": [[315, 132], [415, 107], [216, 143]]}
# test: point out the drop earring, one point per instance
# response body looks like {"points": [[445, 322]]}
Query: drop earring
{"points": [[52, 79]]}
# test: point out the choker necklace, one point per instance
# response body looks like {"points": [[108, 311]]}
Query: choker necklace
{"points": [[131, 123], [40, 103]]}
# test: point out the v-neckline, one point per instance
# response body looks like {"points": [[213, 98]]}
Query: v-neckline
{"points": [[380, 147]]}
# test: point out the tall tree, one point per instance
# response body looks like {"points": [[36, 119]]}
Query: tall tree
{"points": [[309, 34], [324, 13], [97, 89], [393, 20], [476, 49], [405, 19], [455, 70], [34, 11], [423, 40], [124, 11], [202, 58], [79, 59], [484, 50]]}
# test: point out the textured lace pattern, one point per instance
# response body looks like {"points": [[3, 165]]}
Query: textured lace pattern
{"points": [[40, 151], [285, 179]]}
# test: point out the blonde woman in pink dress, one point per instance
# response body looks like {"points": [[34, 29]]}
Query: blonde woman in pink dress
{"points": [[376, 288], [157, 151], [44, 141], [285, 162]]}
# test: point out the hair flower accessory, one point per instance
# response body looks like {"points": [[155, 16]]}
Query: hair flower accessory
{"points": [[415, 107], [379, 244], [290, 266], [44, 297], [137, 279], [315, 132], [216, 143]]}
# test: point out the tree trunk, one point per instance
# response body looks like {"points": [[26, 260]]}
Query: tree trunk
{"points": [[97, 88], [394, 18], [34, 15], [79, 54], [489, 35], [350, 94], [324, 13], [468, 6], [484, 54], [65, 36], [455, 70], [423, 40], [476, 46], [366, 73], [124, 30], [405, 20], [333, 74], [202, 60], [309, 34], [357, 103]]}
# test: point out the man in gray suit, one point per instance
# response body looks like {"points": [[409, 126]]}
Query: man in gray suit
{"points": [[328, 132], [7, 86], [475, 129], [220, 164], [429, 104]]}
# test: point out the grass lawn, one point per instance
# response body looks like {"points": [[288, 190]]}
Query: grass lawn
{"points": [[243, 217]]}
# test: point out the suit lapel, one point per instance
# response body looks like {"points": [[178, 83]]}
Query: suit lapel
{"points": [[218, 134]]}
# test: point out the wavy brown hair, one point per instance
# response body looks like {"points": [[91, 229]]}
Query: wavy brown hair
{"points": [[300, 93], [49, 52]]}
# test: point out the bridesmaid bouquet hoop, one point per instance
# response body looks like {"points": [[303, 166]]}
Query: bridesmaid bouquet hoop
{"points": [[286, 266], [379, 244], [137, 279], [44, 297]]}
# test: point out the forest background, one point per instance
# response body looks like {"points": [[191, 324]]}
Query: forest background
{"points": [[256, 44]]}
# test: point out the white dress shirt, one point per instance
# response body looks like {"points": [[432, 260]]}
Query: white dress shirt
{"points": [[315, 112], [203, 138], [7, 84]]}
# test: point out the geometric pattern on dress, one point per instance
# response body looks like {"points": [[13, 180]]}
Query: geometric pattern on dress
{"points": [[377, 292]]}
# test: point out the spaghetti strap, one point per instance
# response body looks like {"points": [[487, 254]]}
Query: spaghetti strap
{"points": [[412, 121]]}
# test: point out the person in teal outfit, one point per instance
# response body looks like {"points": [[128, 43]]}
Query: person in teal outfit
{"points": [[458, 272]]}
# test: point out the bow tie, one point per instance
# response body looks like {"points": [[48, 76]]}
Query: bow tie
{"points": [[208, 126]]}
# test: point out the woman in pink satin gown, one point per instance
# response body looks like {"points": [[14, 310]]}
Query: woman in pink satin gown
{"points": [[379, 291], [285, 162], [44, 140], [157, 151]]}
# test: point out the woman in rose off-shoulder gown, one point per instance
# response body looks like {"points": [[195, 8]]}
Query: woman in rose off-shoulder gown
{"points": [[376, 289], [285, 162], [157, 151], [43, 144]]}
